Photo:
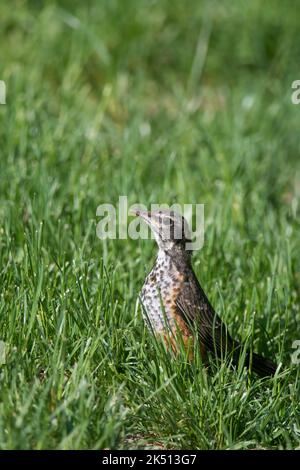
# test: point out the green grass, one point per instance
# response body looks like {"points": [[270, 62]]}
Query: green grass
{"points": [[211, 82]]}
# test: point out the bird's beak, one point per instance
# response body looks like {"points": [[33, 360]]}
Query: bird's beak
{"points": [[145, 215], [139, 213], [134, 212]]}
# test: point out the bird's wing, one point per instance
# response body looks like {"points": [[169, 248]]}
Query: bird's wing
{"points": [[196, 310]]}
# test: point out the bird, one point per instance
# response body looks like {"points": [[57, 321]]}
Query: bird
{"points": [[174, 305]]}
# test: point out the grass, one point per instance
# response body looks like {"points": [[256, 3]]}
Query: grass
{"points": [[162, 102]]}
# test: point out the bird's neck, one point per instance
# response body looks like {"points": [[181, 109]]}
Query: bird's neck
{"points": [[179, 257]]}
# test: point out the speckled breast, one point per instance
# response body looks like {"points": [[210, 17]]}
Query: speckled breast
{"points": [[159, 293]]}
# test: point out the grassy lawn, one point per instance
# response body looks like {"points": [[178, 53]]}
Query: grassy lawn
{"points": [[162, 101]]}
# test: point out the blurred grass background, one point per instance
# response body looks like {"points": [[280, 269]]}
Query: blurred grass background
{"points": [[186, 102]]}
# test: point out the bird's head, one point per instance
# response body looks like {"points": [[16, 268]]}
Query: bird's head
{"points": [[170, 229]]}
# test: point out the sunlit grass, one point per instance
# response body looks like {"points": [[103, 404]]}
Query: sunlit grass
{"points": [[164, 104]]}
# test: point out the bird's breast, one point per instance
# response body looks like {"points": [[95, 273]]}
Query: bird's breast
{"points": [[158, 296]]}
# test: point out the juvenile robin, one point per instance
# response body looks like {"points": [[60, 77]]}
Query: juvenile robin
{"points": [[174, 304]]}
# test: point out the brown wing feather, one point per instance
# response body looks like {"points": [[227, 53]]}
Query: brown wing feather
{"points": [[195, 308], [197, 311]]}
